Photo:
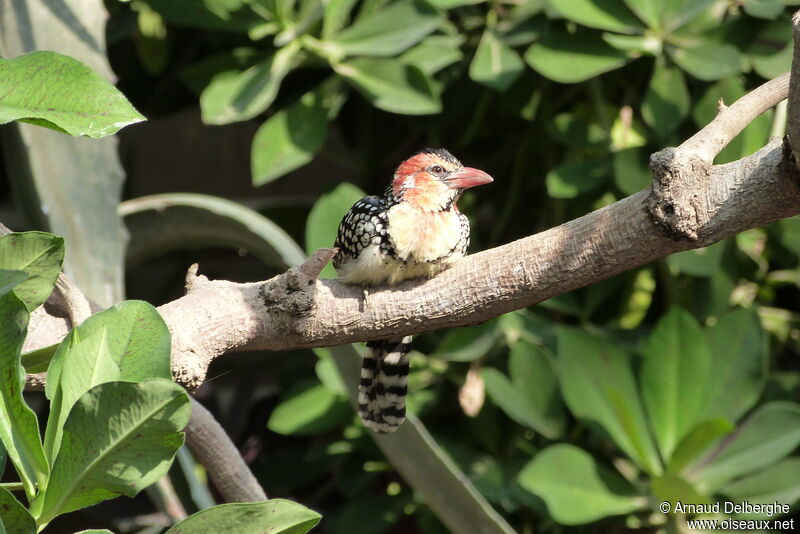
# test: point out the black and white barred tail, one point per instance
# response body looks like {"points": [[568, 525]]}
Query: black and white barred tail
{"points": [[384, 384]]}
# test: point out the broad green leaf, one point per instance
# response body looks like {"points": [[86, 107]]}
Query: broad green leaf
{"points": [[740, 353], [14, 517], [311, 410], [495, 64], [234, 96], [434, 53], [10, 278], [390, 31], [763, 9], [598, 386], [324, 218], [198, 75], [612, 16], [709, 61], [697, 441], [119, 438], [466, 344], [699, 262], [631, 171], [627, 132], [325, 369], [572, 179], [229, 15], [19, 429], [40, 256], [128, 342], [765, 437], [392, 86], [61, 93], [158, 224], [289, 139], [531, 397], [275, 516], [771, 51], [666, 103], [668, 14], [69, 184], [37, 361], [575, 488], [335, 16], [677, 357], [575, 130], [778, 483], [569, 58], [673, 489]]}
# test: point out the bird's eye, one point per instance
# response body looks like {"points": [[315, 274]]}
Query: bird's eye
{"points": [[437, 170]]}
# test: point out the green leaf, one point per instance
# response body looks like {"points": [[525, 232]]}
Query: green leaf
{"points": [[63, 94], [434, 53], [531, 397], [495, 64], [765, 437], [575, 130], [311, 410], [128, 342], [677, 357], [40, 256], [198, 75], [289, 139], [770, 52], [569, 58], [631, 171], [666, 103], [276, 516], [37, 361], [764, 9], [741, 353], [392, 86], [234, 95], [777, 483], [466, 344], [324, 218], [612, 16], [390, 31], [158, 224], [10, 278], [14, 517], [699, 262], [19, 429], [575, 488], [673, 489], [335, 16], [576, 178], [709, 61], [228, 15], [119, 438], [598, 386], [697, 441]]}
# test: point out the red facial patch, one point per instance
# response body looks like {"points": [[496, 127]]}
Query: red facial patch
{"points": [[412, 166]]}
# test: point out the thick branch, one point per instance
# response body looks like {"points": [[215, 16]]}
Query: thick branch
{"points": [[217, 317]]}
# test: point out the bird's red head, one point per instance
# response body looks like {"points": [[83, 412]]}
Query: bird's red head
{"points": [[434, 179]]}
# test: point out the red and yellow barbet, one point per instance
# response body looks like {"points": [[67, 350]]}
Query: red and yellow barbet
{"points": [[413, 231]]}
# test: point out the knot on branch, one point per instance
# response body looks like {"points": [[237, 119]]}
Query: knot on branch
{"points": [[680, 181], [292, 294]]}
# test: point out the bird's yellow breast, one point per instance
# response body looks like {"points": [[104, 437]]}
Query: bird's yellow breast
{"points": [[423, 236]]}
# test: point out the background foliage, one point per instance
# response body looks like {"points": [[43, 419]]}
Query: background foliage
{"points": [[675, 381]]}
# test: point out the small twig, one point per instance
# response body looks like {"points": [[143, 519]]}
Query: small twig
{"points": [[213, 448], [76, 304]]}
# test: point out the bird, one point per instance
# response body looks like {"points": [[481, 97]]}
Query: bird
{"points": [[413, 231]]}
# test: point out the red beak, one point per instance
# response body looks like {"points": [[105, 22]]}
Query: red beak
{"points": [[466, 178]]}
